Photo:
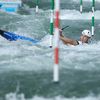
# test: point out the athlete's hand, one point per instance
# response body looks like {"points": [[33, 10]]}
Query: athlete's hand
{"points": [[60, 30], [61, 34]]}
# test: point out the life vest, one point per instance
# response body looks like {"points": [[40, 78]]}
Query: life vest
{"points": [[79, 42]]}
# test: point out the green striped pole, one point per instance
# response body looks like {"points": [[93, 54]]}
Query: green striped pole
{"points": [[93, 5], [81, 6], [37, 7], [51, 23], [93, 22]]}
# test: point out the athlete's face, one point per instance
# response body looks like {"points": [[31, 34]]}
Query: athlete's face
{"points": [[84, 39]]}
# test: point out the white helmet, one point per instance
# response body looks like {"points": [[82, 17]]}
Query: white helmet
{"points": [[87, 33]]}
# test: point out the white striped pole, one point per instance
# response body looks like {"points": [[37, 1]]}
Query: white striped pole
{"points": [[92, 24], [51, 24], [37, 7], [56, 42], [81, 6], [93, 8]]}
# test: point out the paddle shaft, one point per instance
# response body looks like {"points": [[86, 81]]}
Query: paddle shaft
{"points": [[65, 27]]}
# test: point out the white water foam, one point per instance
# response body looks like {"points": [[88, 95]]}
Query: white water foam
{"points": [[76, 15], [86, 0], [22, 56], [14, 96], [75, 57]]}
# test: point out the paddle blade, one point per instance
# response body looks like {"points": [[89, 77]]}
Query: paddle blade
{"points": [[14, 37], [9, 36]]}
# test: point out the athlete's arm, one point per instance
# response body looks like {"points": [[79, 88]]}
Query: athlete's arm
{"points": [[67, 41]]}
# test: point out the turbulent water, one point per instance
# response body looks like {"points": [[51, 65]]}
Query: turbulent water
{"points": [[26, 69]]}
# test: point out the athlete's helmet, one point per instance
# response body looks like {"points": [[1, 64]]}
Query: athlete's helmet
{"points": [[87, 33]]}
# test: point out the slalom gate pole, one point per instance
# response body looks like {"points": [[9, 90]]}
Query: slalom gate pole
{"points": [[37, 6], [93, 22], [56, 42], [51, 24], [81, 6]]}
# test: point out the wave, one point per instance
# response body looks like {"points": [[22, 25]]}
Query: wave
{"points": [[14, 96], [67, 14], [32, 54], [76, 15], [86, 0]]}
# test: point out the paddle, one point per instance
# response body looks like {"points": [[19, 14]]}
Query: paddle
{"points": [[14, 37], [62, 30], [64, 27]]}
